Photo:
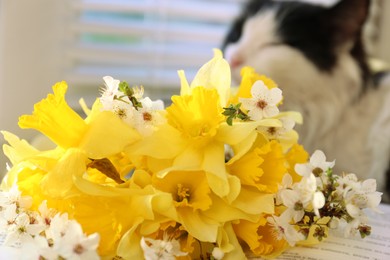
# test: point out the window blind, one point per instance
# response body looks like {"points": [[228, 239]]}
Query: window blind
{"points": [[143, 42]]}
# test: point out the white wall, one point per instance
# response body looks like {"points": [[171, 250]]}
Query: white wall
{"points": [[30, 52]]}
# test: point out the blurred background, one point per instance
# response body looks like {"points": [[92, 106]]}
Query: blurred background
{"points": [[143, 42]]}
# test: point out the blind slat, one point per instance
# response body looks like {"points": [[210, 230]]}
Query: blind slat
{"points": [[170, 31], [148, 54], [207, 11], [143, 41], [92, 75]]}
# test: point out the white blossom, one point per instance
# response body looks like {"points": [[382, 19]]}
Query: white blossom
{"points": [[58, 225], [111, 88], [361, 195], [278, 132], [8, 216], [287, 183], [263, 103], [123, 110], [41, 234], [39, 248], [149, 117], [295, 203], [14, 196], [318, 202], [75, 245], [306, 187], [46, 214], [351, 228], [138, 92], [283, 230], [22, 230], [316, 165], [156, 249]]}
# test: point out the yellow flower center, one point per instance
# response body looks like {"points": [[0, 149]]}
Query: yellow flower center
{"points": [[121, 113], [196, 115], [182, 192]]}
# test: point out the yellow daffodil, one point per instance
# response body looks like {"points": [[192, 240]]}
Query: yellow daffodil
{"points": [[200, 183], [188, 189], [248, 78], [196, 116], [215, 74], [262, 167], [191, 140], [297, 154], [259, 237], [191, 195], [101, 136]]}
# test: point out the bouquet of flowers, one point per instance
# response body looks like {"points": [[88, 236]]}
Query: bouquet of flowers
{"points": [[218, 174]]}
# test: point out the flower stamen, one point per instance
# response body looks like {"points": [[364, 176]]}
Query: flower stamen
{"points": [[261, 104], [147, 116], [182, 192]]}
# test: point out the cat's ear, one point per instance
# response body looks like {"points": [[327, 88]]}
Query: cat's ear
{"points": [[347, 19]]}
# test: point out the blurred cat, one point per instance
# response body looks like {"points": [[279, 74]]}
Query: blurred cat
{"points": [[316, 56]]}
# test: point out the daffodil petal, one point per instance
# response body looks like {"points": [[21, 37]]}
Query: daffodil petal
{"points": [[84, 106], [224, 212], [223, 240], [185, 87], [129, 246], [237, 253], [162, 204], [241, 130], [54, 118], [170, 144], [236, 133], [253, 202], [190, 158], [18, 149], [214, 166], [235, 188], [215, 74], [58, 182], [198, 226], [107, 135], [244, 146], [296, 116], [95, 189]]}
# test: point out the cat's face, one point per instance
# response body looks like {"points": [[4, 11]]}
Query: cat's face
{"points": [[313, 53], [260, 46], [292, 41]]}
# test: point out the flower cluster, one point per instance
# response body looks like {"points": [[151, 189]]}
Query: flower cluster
{"points": [[321, 201], [43, 234], [217, 174]]}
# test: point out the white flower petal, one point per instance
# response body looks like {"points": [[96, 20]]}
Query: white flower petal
{"points": [[353, 210], [303, 169], [255, 114], [275, 96], [259, 90], [289, 198], [369, 185], [270, 111], [318, 201], [317, 157]]}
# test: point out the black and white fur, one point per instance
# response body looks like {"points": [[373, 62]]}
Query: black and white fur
{"points": [[316, 56]]}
